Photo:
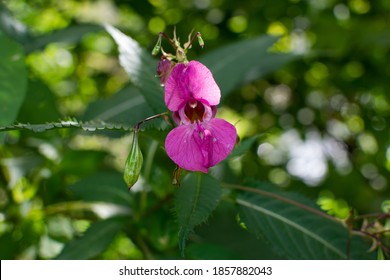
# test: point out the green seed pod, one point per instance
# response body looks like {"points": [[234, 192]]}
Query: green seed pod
{"points": [[133, 163]]}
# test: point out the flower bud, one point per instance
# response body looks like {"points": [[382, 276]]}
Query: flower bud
{"points": [[157, 47], [200, 40], [164, 69], [133, 163]]}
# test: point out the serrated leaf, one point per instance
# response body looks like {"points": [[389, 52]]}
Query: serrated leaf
{"points": [[13, 80], [197, 197], [237, 63], [72, 123], [102, 187], [95, 240], [141, 68], [294, 231]]}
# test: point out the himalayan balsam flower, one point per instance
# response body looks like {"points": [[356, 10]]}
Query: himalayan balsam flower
{"points": [[200, 140]]}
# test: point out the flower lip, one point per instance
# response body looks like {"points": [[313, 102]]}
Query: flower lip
{"points": [[199, 146]]}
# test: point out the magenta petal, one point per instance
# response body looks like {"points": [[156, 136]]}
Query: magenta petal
{"points": [[224, 137], [192, 81], [182, 148], [196, 147]]}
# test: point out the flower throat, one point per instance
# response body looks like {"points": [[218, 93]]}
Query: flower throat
{"points": [[194, 110]]}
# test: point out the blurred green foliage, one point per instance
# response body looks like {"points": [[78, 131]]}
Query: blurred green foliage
{"points": [[312, 114]]}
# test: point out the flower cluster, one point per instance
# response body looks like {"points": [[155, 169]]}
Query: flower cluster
{"points": [[200, 140]]}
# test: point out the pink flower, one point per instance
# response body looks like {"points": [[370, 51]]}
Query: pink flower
{"points": [[200, 141]]}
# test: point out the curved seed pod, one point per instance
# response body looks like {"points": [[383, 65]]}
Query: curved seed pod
{"points": [[133, 163]]}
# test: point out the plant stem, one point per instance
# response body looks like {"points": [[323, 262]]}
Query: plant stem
{"points": [[136, 127]]}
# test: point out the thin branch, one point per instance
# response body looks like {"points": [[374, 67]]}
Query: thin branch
{"points": [[378, 216], [136, 127]]}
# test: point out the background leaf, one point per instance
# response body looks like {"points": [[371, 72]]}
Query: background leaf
{"points": [[125, 106], [141, 68], [13, 80], [243, 146], [95, 240], [71, 34], [38, 97], [104, 187], [243, 61], [295, 232], [197, 197]]}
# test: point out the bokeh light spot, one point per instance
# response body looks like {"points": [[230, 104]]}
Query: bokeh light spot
{"points": [[238, 24]]}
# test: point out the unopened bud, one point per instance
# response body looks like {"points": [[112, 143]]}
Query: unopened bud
{"points": [[164, 69], [200, 40], [133, 163], [157, 47]]}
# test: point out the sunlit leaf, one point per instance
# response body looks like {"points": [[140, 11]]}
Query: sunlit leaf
{"points": [[141, 68], [292, 225], [194, 201], [95, 240], [13, 80]]}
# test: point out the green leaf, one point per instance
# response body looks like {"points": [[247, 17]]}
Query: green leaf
{"points": [[125, 106], [72, 34], [82, 162], [238, 62], [38, 98], [210, 251], [71, 123], [95, 240], [197, 197], [269, 63], [102, 187], [295, 227], [243, 146], [13, 80], [141, 68]]}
